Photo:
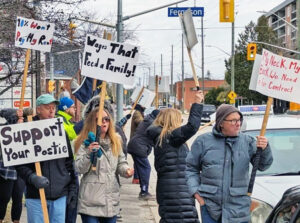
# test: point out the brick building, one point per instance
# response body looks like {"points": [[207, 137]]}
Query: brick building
{"points": [[189, 89]]}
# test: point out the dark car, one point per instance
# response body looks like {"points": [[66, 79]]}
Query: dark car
{"points": [[288, 208], [207, 111]]}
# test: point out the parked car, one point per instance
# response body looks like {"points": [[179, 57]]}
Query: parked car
{"points": [[283, 133], [207, 111], [288, 208]]}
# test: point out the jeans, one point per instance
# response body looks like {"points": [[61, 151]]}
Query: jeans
{"points": [[143, 169], [93, 219], [206, 217], [56, 210]]}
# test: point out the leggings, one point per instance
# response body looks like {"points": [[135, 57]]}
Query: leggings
{"points": [[11, 189]]}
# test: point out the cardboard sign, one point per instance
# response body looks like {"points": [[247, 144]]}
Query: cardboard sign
{"points": [[33, 34], [33, 142], [277, 77], [146, 98], [188, 29], [109, 61], [163, 84]]}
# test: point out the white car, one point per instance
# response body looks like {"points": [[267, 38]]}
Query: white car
{"points": [[283, 133]]}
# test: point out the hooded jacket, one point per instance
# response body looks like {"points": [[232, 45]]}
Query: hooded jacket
{"points": [[175, 203], [218, 170]]}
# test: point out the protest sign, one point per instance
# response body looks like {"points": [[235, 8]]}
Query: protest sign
{"points": [[146, 98], [163, 84], [277, 77], [109, 61], [33, 34], [33, 142], [188, 29]]}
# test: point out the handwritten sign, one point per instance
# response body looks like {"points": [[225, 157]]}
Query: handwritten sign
{"points": [[109, 61], [277, 77], [33, 34], [33, 142], [163, 84], [146, 98]]}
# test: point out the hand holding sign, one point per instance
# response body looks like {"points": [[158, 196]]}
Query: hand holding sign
{"points": [[38, 181]]}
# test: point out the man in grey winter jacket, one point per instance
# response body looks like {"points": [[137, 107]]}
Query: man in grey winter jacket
{"points": [[218, 168]]}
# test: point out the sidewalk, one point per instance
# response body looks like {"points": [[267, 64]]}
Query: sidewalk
{"points": [[133, 209]]}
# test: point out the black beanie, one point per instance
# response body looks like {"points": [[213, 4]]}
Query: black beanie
{"points": [[222, 112]]}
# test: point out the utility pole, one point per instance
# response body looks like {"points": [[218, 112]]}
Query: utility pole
{"points": [[182, 75], [202, 47], [232, 59]]}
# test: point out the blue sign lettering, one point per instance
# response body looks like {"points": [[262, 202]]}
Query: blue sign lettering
{"points": [[175, 11]]}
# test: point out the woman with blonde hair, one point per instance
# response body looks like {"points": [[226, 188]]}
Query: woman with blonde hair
{"points": [[170, 150], [99, 197]]}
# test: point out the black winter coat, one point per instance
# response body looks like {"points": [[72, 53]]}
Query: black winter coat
{"points": [[175, 203], [60, 173], [140, 144]]}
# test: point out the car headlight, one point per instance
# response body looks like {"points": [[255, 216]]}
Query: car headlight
{"points": [[259, 211]]}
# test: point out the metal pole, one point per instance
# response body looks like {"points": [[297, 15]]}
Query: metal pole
{"points": [[119, 39], [51, 69], [202, 61], [182, 75], [232, 59]]}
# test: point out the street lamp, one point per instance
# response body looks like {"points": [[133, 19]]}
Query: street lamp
{"points": [[218, 49], [280, 18]]}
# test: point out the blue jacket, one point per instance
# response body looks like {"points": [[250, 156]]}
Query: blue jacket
{"points": [[218, 169]]}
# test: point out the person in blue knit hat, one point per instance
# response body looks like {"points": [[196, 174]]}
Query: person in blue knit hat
{"points": [[66, 110]]}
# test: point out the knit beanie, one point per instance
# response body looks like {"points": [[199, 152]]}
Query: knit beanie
{"points": [[65, 103], [222, 112]]}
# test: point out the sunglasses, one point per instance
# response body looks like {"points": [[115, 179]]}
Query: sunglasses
{"points": [[106, 119]]}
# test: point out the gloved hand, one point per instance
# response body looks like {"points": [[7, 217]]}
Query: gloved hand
{"points": [[91, 138], [123, 121], [72, 199], [38, 181], [97, 153]]}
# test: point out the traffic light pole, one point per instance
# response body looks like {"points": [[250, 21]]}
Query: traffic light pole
{"points": [[232, 60], [119, 27]]}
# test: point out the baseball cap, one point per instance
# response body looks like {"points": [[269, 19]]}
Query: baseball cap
{"points": [[65, 103], [46, 99]]}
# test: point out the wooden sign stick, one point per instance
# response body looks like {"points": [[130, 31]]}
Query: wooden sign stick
{"points": [[193, 69], [136, 101], [205, 125], [37, 164], [259, 150]]}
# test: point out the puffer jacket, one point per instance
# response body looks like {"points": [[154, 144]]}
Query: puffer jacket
{"points": [[140, 144], [175, 203], [218, 169], [99, 190]]}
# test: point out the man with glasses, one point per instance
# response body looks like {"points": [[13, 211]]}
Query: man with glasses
{"points": [[218, 168]]}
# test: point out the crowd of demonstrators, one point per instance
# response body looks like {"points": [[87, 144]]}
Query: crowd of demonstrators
{"points": [[99, 197], [58, 178], [170, 151], [137, 118], [140, 147], [12, 186], [214, 172], [218, 168]]}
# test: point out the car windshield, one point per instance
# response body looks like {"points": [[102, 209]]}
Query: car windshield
{"points": [[209, 108], [285, 145]]}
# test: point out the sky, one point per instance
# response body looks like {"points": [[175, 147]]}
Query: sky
{"points": [[156, 33]]}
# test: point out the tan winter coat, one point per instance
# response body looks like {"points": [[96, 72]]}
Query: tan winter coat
{"points": [[99, 190]]}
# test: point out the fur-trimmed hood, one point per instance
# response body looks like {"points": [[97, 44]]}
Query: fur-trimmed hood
{"points": [[94, 103]]}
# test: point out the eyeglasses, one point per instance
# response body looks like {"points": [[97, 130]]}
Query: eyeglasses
{"points": [[106, 119], [234, 121]]}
